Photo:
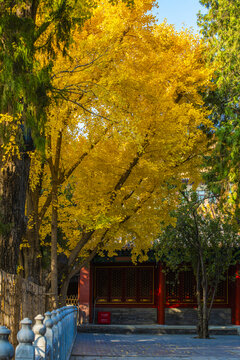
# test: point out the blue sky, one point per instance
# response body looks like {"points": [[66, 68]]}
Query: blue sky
{"points": [[178, 12]]}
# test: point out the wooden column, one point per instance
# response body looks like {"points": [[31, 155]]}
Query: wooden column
{"points": [[237, 296], [84, 295], [91, 294], [161, 296]]}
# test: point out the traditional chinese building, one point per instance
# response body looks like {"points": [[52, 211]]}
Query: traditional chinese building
{"points": [[146, 294]]}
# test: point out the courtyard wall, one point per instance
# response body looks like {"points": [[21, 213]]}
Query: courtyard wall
{"points": [[19, 298]]}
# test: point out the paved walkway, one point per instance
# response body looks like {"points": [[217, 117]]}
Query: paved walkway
{"points": [[93, 346]]}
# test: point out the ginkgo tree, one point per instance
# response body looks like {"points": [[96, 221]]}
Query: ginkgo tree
{"points": [[125, 132], [28, 29]]}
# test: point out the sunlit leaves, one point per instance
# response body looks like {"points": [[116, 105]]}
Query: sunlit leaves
{"points": [[129, 120], [9, 145]]}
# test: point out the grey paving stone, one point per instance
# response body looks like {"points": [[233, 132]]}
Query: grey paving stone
{"points": [[145, 358], [92, 346]]}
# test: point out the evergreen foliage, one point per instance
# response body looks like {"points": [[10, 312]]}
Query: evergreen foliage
{"points": [[220, 28], [206, 239]]}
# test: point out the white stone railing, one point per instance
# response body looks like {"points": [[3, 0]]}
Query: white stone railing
{"points": [[51, 337]]}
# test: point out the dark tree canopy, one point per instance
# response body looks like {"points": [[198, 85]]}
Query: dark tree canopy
{"points": [[204, 238], [220, 28]]}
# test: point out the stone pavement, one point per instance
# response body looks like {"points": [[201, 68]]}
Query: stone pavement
{"points": [[93, 346], [156, 329]]}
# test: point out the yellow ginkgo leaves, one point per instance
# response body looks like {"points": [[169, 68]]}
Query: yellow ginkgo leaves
{"points": [[126, 130]]}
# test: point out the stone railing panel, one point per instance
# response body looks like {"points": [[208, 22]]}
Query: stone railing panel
{"points": [[51, 338]]}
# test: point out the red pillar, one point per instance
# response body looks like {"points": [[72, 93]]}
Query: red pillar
{"points": [[83, 295], [237, 296], [91, 309], [161, 297]]}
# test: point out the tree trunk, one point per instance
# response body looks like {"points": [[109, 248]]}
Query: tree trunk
{"points": [[205, 333], [13, 187], [54, 167], [199, 302], [202, 299], [63, 291], [54, 270], [32, 256], [31, 252]]}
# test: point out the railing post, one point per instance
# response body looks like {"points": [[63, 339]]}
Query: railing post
{"points": [[63, 334], [64, 331], [71, 320], [73, 324], [49, 334], [6, 349], [68, 327], [75, 320], [25, 349], [55, 335], [40, 342], [60, 333]]}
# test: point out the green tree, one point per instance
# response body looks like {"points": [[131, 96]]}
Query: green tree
{"points": [[205, 239], [31, 33], [220, 28]]}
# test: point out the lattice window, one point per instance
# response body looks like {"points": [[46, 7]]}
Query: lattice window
{"points": [[172, 287], [146, 284], [188, 286], [131, 285], [102, 286], [182, 290], [116, 285], [221, 293]]}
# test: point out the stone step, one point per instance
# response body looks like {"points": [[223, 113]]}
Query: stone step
{"points": [[156, 329]]}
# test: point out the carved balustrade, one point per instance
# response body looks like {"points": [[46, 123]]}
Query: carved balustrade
{"points": [[51, 337]]}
